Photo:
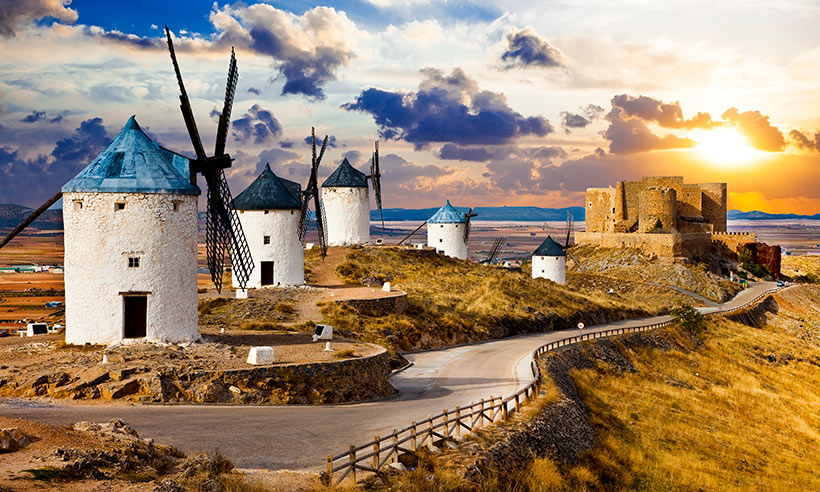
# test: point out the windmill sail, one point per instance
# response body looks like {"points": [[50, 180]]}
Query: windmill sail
{"points": [[31, 218]]}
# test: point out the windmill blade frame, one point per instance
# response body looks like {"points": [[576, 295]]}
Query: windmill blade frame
{"points": [[377, 181], [185, 106], [31, 218], [412, 233], [314, 189], [225, 116], [467, 218]]}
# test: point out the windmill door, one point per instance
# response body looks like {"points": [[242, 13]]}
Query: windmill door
{"points": [[134, 316], [267, 273]]}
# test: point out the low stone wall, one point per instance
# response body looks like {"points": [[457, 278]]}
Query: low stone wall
{"points": [[732, 241], [668, 246], [349, 380], [376, 306]]}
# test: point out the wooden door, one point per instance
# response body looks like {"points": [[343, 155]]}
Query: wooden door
{"points": [[135, 316], [267, 273]]}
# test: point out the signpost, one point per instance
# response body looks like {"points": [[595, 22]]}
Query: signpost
{"points": [[580, 329]]}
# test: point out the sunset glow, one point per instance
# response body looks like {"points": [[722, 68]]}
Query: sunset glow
{"points": [[726, 147]]}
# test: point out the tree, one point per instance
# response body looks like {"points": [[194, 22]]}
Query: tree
{"points": [[744, 255], [689, 319]]}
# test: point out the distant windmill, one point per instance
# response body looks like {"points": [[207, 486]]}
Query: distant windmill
{"points": [[375, 180], [495, 249], [312, 191], [570, 227], [224, 234]]}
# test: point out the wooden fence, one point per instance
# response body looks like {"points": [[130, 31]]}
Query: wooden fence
{"points": [[449, 426]]}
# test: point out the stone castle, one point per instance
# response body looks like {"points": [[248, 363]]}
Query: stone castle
{"points": [[662, 216]]}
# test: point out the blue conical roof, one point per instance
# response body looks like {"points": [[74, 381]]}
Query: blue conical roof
{"points": [[133, 163], [447, 214], [270, 192], [346, 176], [549, 248]]}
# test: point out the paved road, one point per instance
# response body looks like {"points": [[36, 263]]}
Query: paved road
{"points": [[300, 437]]}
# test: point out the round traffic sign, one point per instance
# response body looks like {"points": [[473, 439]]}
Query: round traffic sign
{"points": [[580, 326]]}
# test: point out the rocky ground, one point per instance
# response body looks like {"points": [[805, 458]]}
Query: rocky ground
{"points": [[147, 371], [111, 456]]}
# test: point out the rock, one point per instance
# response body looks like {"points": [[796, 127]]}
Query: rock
{"points": [[120, 374], [398, 466], [12, 439], [200, 464], [120, 389], [260, 356], [83, 468], [112, 428], [169, 485]]}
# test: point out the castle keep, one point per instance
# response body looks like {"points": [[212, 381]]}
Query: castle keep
{"points": [[661, 215]]}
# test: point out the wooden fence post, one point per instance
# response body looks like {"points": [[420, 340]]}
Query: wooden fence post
{"points": [[377, 451], [458, 421], [446, 425], [430, 429], [413, 436], [395, 457], [330, 469], [352, 457]]}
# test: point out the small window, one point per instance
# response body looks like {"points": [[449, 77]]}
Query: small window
{"points": [[441, 240], [241, 211], [78, 204], [176, 205], [265, 239], [613, 210], [442, 226], [119, 206], [266, 212], [134, 262]]}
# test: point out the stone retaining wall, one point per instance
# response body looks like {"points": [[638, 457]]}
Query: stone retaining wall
{"points": [[376, 306]]}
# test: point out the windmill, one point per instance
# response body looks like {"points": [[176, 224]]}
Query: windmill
{"points": [[495, 249], [224, 234], [375, 179], [467, 216], [312, 191]]}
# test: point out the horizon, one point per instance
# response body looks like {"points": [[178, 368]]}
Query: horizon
{"points": [[522, 109]]}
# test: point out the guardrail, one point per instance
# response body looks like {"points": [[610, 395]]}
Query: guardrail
{"points": [[448, 426]]}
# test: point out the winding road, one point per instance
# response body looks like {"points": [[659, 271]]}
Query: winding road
{"points": [[300, 437]]}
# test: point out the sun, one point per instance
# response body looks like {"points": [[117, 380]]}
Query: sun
{"points": [[726, 146]]}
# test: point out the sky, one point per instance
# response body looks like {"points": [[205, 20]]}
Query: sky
{"points": [[485, 103]]}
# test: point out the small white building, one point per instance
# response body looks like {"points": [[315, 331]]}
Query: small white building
{"points": [[346, 205], [446, 232], [131, 245], [550, 261], [269, 211]]}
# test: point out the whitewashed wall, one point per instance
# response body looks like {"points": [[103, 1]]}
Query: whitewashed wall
{"points": [[285, 250], [550, 267], [448, 239], [98, 242], [348, 215]]}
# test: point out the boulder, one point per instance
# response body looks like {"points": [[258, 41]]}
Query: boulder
{"points": [[12, 439], [260, 356]]}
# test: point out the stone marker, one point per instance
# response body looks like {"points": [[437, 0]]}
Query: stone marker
{"points": [[260, 355], [323, 332], [386, 287]]}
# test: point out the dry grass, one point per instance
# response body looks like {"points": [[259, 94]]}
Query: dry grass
{"points": [[454, 301]]}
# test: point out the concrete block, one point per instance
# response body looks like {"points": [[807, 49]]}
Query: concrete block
{"points": [[386, 287], [260, 356], [323, 332]]}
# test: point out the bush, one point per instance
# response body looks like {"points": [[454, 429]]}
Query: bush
{"points": [[744, 255], [809, 278], [759, 271], [689, 319], [284, 308], [261, 326]]}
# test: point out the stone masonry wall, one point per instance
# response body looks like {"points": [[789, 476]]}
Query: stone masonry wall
{"points": [[667, 246], [395, 304]]}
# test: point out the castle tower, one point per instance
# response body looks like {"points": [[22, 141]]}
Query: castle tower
{"points": [[131, 245], [445, 232], [658, 209], [549, 261], [346, 205], [269, 210]]}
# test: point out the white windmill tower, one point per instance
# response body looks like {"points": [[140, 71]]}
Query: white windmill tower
{"points": [[270, 211], [448, 231], [130, 220], [346, 202], [549, 261]]}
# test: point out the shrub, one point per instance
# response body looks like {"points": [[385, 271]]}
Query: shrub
{"points": [[744, 255], [759, 271], [689, 319], [809, 278], [260, 325], [345, 354], [284, 308]]}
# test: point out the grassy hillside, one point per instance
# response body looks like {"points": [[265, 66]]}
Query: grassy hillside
{"points": [[454, 301], [732, 410]]}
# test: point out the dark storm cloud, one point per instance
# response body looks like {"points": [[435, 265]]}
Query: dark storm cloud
{"points": [[522, 170], [257, 123], [287, 144], [447, 108], [757, 129], [36, 116], [15, 14], [497, 153], [573, 120], [254, 91], [31, 181], [526, 49], [804, 142]]}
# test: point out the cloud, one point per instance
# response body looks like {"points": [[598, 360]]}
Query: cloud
{"points": [[36, 116], [254, 91], [31, 181], [496, 153], [331, 141], [526, 49], [258, 123], [16, 14], [589, 113], [629, 135], [447, 108], [524, 170], [667, 115], [287, 144], [804, 142], [756, 127]]}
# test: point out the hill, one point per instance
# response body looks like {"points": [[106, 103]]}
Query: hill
{"points": [[529, 214], [11, 215], [756, 215]]}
